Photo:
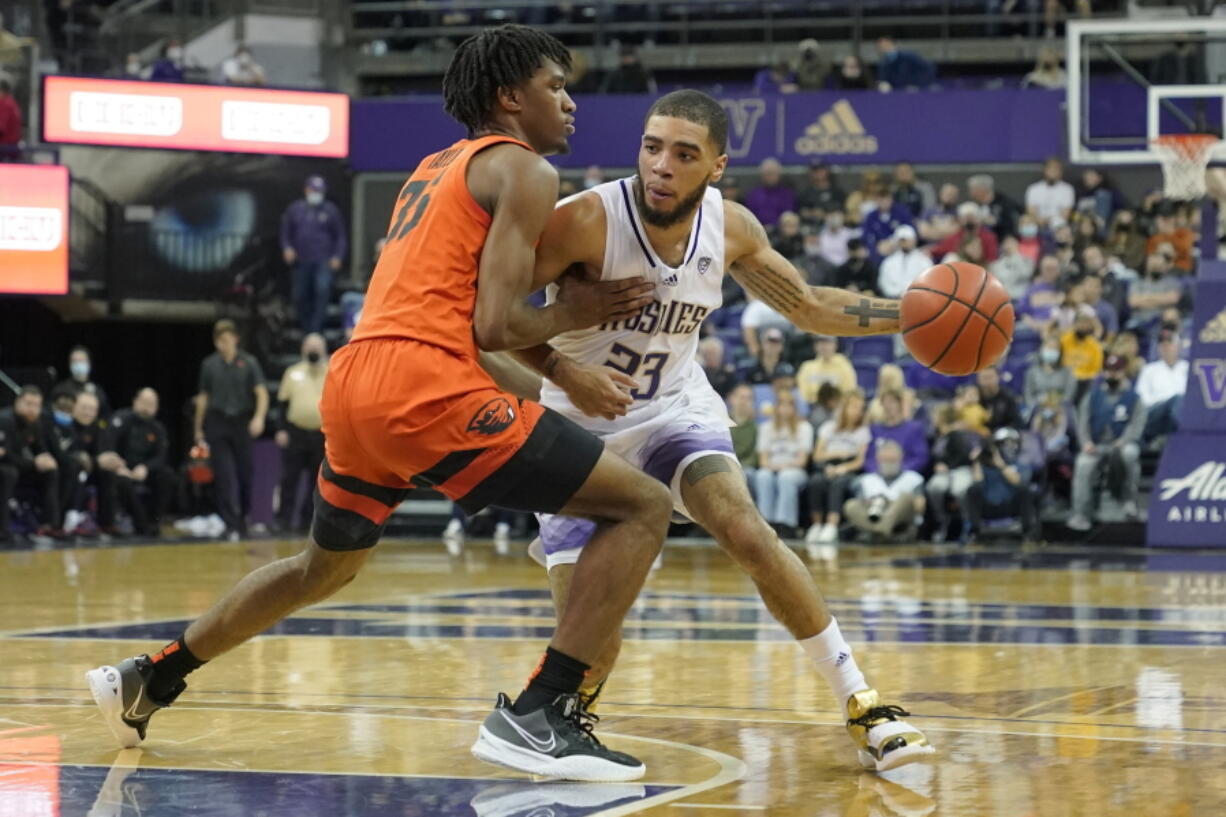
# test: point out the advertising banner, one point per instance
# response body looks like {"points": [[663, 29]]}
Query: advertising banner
{"points": [[195, 117], [1188, 503], [1002, 125], [33, 229]]}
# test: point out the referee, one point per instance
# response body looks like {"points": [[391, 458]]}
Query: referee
{"points": [[230, 409], [300, 440]]}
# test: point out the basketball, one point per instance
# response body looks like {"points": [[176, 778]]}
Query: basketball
{"points": [[956, 318]]}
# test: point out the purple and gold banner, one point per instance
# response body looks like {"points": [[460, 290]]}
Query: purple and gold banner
{"points": [[862, 127]]}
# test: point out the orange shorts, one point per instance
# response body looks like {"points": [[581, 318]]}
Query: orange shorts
{"points": [[399, 415]]}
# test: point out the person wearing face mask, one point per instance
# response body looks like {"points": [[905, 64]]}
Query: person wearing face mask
{"points": [[144, 482], [593, 177], [169, 66], [1013, 269], [242, 69], [1110, 422], [313, 243], [133, 68], [1001, 486], [62, 437], [1081, 350], [890, 497], [1049, 374], [970, 216], [80, 367], [299, 437]]}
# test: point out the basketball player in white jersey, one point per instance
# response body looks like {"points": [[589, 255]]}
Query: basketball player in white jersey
{"points": [[669, 226]]}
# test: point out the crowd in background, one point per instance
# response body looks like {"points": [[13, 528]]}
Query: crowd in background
{"points": [[869, 441]]}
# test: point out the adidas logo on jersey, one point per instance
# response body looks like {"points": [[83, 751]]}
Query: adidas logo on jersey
{"points": [[670, 281], [1215, 330], [838, 130]]}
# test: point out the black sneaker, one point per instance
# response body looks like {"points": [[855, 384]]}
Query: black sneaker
{"points": [[554, 742], [120, 694]]}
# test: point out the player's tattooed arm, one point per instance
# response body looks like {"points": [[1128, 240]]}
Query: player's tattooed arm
{"points": [[771, 278]]}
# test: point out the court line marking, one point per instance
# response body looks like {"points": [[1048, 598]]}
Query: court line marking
{"points": [[731, 769], [714, 805]]}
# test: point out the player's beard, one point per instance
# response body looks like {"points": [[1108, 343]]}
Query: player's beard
{"points": [[684, 209]]}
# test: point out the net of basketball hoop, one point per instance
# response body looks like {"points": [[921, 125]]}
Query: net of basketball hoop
{"points": [[1185, 158]]}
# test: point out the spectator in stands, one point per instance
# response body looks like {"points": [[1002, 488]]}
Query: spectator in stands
{"points": [[299, 438], [859, 272], [1110, 422], [852, 75], [970, 217], [951, 468], [242, 69], [901, 267], [811, 68], [1182, 239], [998, 399], [829, 398], [1048, 374], [144, 481], [971, 251], [1148, 296], [971, 413], [838, 458], [1092, 296], [1029, 241], [777, 79], [772, 198], [630, 76], [1098, 195], [940, 220], [784, 444], [745, 432], [1047, 71], [894, 425], [730, 188], [998, 212], [828, 366], [80, 366], [1111, 290], [231, 407], [898, 69], [911, 191], [10, 121], [1038, 306], [1012, 269], [770, 360], [593, 176], [313, 244], [758, 318], [27, 453], [1082, 352], [1062, 238], [863, 200], [1161, 386], [133, 68], [834, 239], [720, 372], [890, 379], [890, 497], [787, 240], [1128, 348], [1087, 229], [169, 66], [1001, 485], [1050, 200], [1051, 421], [1125, 240], [881, 223], [820, 196]]}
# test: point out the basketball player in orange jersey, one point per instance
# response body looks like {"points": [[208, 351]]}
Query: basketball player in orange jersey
{"points": [[667, 224], [406, 405]]}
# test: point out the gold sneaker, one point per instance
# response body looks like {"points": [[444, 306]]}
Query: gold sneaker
{"points": [[884, 741]]}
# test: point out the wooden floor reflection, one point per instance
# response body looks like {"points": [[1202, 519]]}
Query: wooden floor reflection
{"points": [[1052, 682]]}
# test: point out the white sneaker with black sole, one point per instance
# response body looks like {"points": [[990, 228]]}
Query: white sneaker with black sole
{"points": [[554, 742], [122, 695]]}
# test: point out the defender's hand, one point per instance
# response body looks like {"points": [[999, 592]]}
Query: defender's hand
{"points": [[591, 303], [597, 391]]}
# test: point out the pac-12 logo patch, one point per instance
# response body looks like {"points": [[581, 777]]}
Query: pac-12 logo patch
{"points": [[493, 417], [704, 264]]}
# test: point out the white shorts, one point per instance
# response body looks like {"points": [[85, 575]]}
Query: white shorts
{"points": [[662, 446]]}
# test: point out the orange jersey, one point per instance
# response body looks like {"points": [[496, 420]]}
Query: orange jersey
{"points": [[425, 285]]}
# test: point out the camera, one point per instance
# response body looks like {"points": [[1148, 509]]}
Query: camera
{"points": [[876, 508]]}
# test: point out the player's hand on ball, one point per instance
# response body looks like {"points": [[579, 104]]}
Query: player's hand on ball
{"points": [[591, 303], [597, 391]]}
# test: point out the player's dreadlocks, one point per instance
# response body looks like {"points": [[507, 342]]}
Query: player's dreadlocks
{"points": [[496, 58], [697, 107]]}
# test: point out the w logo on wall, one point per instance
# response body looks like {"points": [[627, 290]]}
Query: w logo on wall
{"points": [[1211, 375], [743, 118]]}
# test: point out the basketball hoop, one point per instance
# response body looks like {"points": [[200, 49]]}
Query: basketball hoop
{"points": [[1185, 157]]}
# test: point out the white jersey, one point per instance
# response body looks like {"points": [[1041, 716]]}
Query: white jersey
{"points": [[658, 347]]}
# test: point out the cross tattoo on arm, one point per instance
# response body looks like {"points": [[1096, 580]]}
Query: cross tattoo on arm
{"points": [[865, 310]]}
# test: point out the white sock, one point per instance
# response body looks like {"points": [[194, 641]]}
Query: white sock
{"points": [[832, 656]]}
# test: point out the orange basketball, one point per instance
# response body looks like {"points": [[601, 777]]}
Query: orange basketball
{"points": [[956, 318]]}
